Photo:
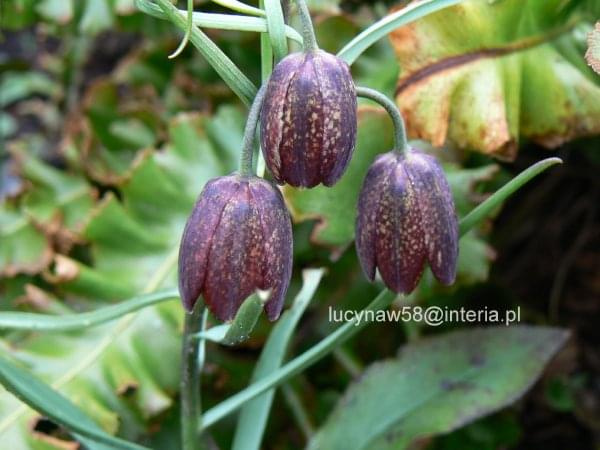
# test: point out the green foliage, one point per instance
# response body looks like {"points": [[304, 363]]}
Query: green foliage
{"points": [[437, 385]]}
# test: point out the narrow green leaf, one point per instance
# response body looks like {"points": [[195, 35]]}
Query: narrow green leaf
{"points": [[276, 28], [50, 403], [254, 415], [339, 336], [245, 319], [486, 208], [353, 49], [67, 322], [227, 70], [240, 7], [437, 385], [220, 21]]}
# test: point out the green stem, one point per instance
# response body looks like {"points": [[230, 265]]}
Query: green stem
{"points": [[191, 409], [308, 31], [400, 142], [250, 132], [349, 329]]}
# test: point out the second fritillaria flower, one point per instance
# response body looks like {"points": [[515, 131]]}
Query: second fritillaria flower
{"points": [[308, 119], [406, 217], [237, 240]]}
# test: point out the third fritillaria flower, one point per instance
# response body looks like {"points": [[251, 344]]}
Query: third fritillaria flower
{"points": [[406, 217]]}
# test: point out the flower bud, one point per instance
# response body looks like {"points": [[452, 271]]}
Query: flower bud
{"points": [[308, 119], [237, 240], [406, 216]]}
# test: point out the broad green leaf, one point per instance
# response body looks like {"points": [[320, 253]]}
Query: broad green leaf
{"points": [[483, 74], [24, 248], [437, 385], [55, 406], [592, 55], [253, 417]]}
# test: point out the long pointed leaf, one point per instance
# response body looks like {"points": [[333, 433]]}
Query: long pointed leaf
{"points": [[276, 26], [67, 322], [353, 49], [50, 403], [254, 415]]}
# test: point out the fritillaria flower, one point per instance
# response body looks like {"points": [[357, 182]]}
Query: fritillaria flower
{"points": [[406, 217], [237, 240], [308, 120]]}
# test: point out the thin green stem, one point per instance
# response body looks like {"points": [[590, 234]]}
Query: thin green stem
{"points": [[250, 132], [308, 31], [191, 408], [188, 30], [400, 142]]}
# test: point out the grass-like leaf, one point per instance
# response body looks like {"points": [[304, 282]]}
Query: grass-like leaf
{"points": [[350, 328], [49, 402], [254, 415], [68, 322], [486, 208], [240, 7], [276, 27], [353, 49]]}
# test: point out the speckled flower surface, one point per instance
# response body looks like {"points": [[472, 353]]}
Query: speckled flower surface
{"points": [[238, 239], [308, 120], [406, 217]]}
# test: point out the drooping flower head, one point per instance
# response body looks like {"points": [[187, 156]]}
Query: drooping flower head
{"points": [[238, 239], [308, 121], [406, 217]]}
